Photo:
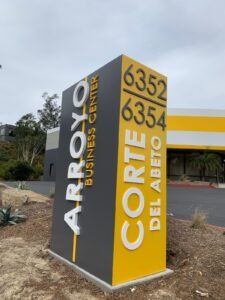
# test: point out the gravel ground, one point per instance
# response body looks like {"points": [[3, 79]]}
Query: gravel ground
{"points": [[28, 272]]}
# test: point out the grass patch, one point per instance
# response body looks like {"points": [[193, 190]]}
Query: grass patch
{"points": [[199, 219]]}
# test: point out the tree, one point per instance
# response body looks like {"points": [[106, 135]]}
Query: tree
{"points": [[30, 138], [206, 161], [49, 116], [30, 134], [7, 151]]}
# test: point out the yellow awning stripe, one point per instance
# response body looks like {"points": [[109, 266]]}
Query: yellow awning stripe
{"points": [[189, 123]]}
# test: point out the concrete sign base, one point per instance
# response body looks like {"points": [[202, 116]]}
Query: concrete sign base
{"points": [[102, 284]]}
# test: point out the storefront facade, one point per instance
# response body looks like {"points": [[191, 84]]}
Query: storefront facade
{"points": [[188, 131], [194, 131]]}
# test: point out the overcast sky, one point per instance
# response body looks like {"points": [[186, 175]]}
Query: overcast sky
{"points": [[48, 45]]}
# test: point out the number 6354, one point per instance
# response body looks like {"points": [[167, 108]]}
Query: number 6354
{"points": [[143, 114]]}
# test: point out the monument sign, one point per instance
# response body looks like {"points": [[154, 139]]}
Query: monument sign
{"points": [[109, 218]]}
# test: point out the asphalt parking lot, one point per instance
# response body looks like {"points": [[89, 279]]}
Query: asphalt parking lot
{"points": [[41, 187], [181, 201]]}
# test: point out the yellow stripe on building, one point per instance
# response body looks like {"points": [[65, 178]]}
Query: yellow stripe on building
{"points": [[196, 147], [196, 123]]}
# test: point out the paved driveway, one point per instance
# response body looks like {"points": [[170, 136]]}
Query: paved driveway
{"points": [[182, 202], [41, 187]]}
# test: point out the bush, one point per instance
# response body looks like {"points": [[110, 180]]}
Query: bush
{"points": [[17, 170], [38, 171], [2, 171], [7, 151], [7, 217], [21, 185], [51, 195], [199, 220]]}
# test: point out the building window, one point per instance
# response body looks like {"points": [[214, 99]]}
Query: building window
{"points": [[51, 170], [11, 133], [2, 132]]}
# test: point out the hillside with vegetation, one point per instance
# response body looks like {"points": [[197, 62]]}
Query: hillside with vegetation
{"points": [[23, 158]]}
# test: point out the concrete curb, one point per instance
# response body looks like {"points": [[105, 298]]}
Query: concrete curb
{"points": [[191, 185]]}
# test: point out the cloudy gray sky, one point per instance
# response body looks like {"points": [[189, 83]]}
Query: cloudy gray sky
{"points": [[48, 45]]}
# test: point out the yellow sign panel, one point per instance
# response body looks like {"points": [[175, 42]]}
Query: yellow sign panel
{"points": [[140, 217]]}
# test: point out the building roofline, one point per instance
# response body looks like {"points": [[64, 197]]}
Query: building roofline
{"points": [[7, 125], [198, 112], [53, 130]]}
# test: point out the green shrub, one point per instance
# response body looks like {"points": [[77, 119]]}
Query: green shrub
{"points": [[51, 195], [17, 170], [38, 171], [21, 185], [2, 171], [7, 151], [7, 217]]}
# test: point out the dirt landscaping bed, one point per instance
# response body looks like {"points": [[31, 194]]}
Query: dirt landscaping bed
{"points": [[28, 272]]}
